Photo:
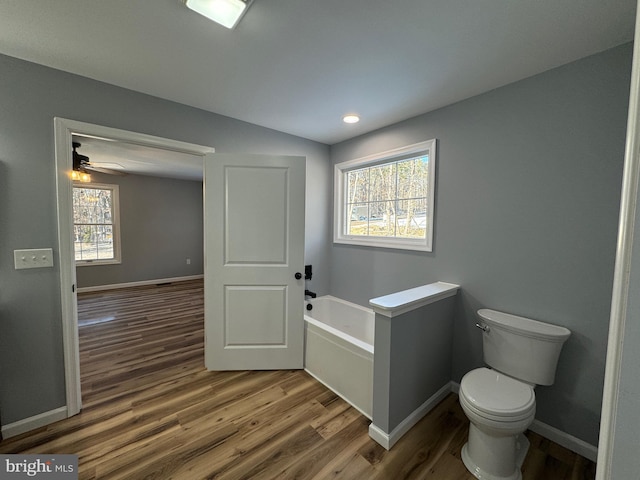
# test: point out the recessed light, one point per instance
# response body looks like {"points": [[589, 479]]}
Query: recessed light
{"points": [[351, 118]]}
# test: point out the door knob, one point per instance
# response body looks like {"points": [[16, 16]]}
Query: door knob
{"points": [[298, 275]]}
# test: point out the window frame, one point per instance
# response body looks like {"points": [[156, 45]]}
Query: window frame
{"points": [[115, 207], [341, 170]]}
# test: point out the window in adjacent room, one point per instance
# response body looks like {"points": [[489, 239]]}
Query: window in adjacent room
{"points": [[387, 199], [96, 237]]}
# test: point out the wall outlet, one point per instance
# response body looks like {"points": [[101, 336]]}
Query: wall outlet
{"points": [[188, 261], [33, 258]]}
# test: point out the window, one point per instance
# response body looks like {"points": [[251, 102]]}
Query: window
{"points": [[387, 200], [96, 238]]}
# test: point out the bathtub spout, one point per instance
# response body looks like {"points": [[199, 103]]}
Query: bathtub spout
{"points": [[308, 293]]}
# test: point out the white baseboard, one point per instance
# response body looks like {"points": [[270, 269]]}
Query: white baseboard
{"points": [[379, 436], [565, 440], [98, 288], [557, 436], [388, 440], [31, 423]]}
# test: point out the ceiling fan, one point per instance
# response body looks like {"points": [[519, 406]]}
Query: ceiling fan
{"points": [[82, 164]]}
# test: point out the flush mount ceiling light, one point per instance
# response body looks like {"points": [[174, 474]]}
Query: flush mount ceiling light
{"points": [[225, 12], [351, 118]]}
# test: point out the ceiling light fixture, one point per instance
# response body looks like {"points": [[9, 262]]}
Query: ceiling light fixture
{"points": [[351, 118], [79, 172], [80, 176], [225, 12]]}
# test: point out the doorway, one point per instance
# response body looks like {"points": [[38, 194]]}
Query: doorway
{"points": [[64, 131]]}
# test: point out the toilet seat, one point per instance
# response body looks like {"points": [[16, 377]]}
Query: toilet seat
{"points": [[498, 397]]}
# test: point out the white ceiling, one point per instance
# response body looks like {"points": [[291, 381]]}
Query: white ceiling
{"points": [[298, 65], [129, 158]]}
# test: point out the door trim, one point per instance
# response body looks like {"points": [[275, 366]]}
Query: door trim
{"points": [[63, 131], [627, 230]]}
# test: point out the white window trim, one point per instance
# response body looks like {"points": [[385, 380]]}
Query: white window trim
{"points": [[117, 258], [339, 189]]}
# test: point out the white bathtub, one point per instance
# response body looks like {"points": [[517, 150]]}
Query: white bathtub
{"points": [[339, 349]]}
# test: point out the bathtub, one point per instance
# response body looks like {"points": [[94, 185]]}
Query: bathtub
{"points": [[339, 349]]}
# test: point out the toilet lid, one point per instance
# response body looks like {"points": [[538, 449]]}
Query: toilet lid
{"points": [[496, 394]]}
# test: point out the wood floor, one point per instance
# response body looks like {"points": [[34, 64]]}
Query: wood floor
{"points": [[151, 411]]}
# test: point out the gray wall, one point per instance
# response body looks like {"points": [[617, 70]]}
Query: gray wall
{"points": [[31, 355], [527, 197], [160, 227], [413, 353]]}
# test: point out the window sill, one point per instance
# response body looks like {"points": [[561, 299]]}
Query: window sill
{"points": [[93, 263], [419, 245]]}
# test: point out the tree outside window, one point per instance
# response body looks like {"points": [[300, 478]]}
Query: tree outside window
{"points": [[95, 224], [387, 199]]}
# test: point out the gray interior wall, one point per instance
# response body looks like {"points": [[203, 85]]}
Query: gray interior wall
{"points": [[527, 198], [413, 357], [382, 373], [160, 227], [421, 357], [31, 354]]}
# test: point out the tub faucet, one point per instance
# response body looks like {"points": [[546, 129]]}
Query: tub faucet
{"points": [[308, 293]]}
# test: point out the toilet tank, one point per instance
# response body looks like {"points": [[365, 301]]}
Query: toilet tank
{"points": [[520, 347]]}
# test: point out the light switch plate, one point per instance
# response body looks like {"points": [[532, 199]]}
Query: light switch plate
{"points": [[33, 258]]}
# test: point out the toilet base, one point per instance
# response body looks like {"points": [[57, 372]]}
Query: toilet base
{"points": [[494, 457]]}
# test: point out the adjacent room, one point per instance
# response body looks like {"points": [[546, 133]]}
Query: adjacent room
{"points": [[284, 245]]}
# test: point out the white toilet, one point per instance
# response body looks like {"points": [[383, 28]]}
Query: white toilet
{"points": [[500, 401]]}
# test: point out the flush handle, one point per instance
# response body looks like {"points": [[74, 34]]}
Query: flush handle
{"points": [[484, 328]]}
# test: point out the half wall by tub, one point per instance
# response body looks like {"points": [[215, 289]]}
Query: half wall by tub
{"points": [[339, 349]]}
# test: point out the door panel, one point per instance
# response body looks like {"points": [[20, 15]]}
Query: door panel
{"points": [[246, 303], [256, 225], [254, 243]]}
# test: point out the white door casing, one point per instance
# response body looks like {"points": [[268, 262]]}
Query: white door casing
{"points": [[254, 245], [64, 130]]}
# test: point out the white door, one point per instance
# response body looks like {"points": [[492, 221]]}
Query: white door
{"points": [[254, 246]]}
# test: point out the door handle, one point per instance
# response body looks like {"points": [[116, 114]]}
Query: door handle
{"points": [[298, 275]]}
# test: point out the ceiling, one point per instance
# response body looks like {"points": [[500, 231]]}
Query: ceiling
{"points": [[129, 158], [298, 66]]}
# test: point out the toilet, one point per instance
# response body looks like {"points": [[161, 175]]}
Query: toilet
{"points": [[500, 401]]}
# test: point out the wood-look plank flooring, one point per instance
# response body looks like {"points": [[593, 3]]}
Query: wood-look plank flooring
{"points": [[151, 411]]}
